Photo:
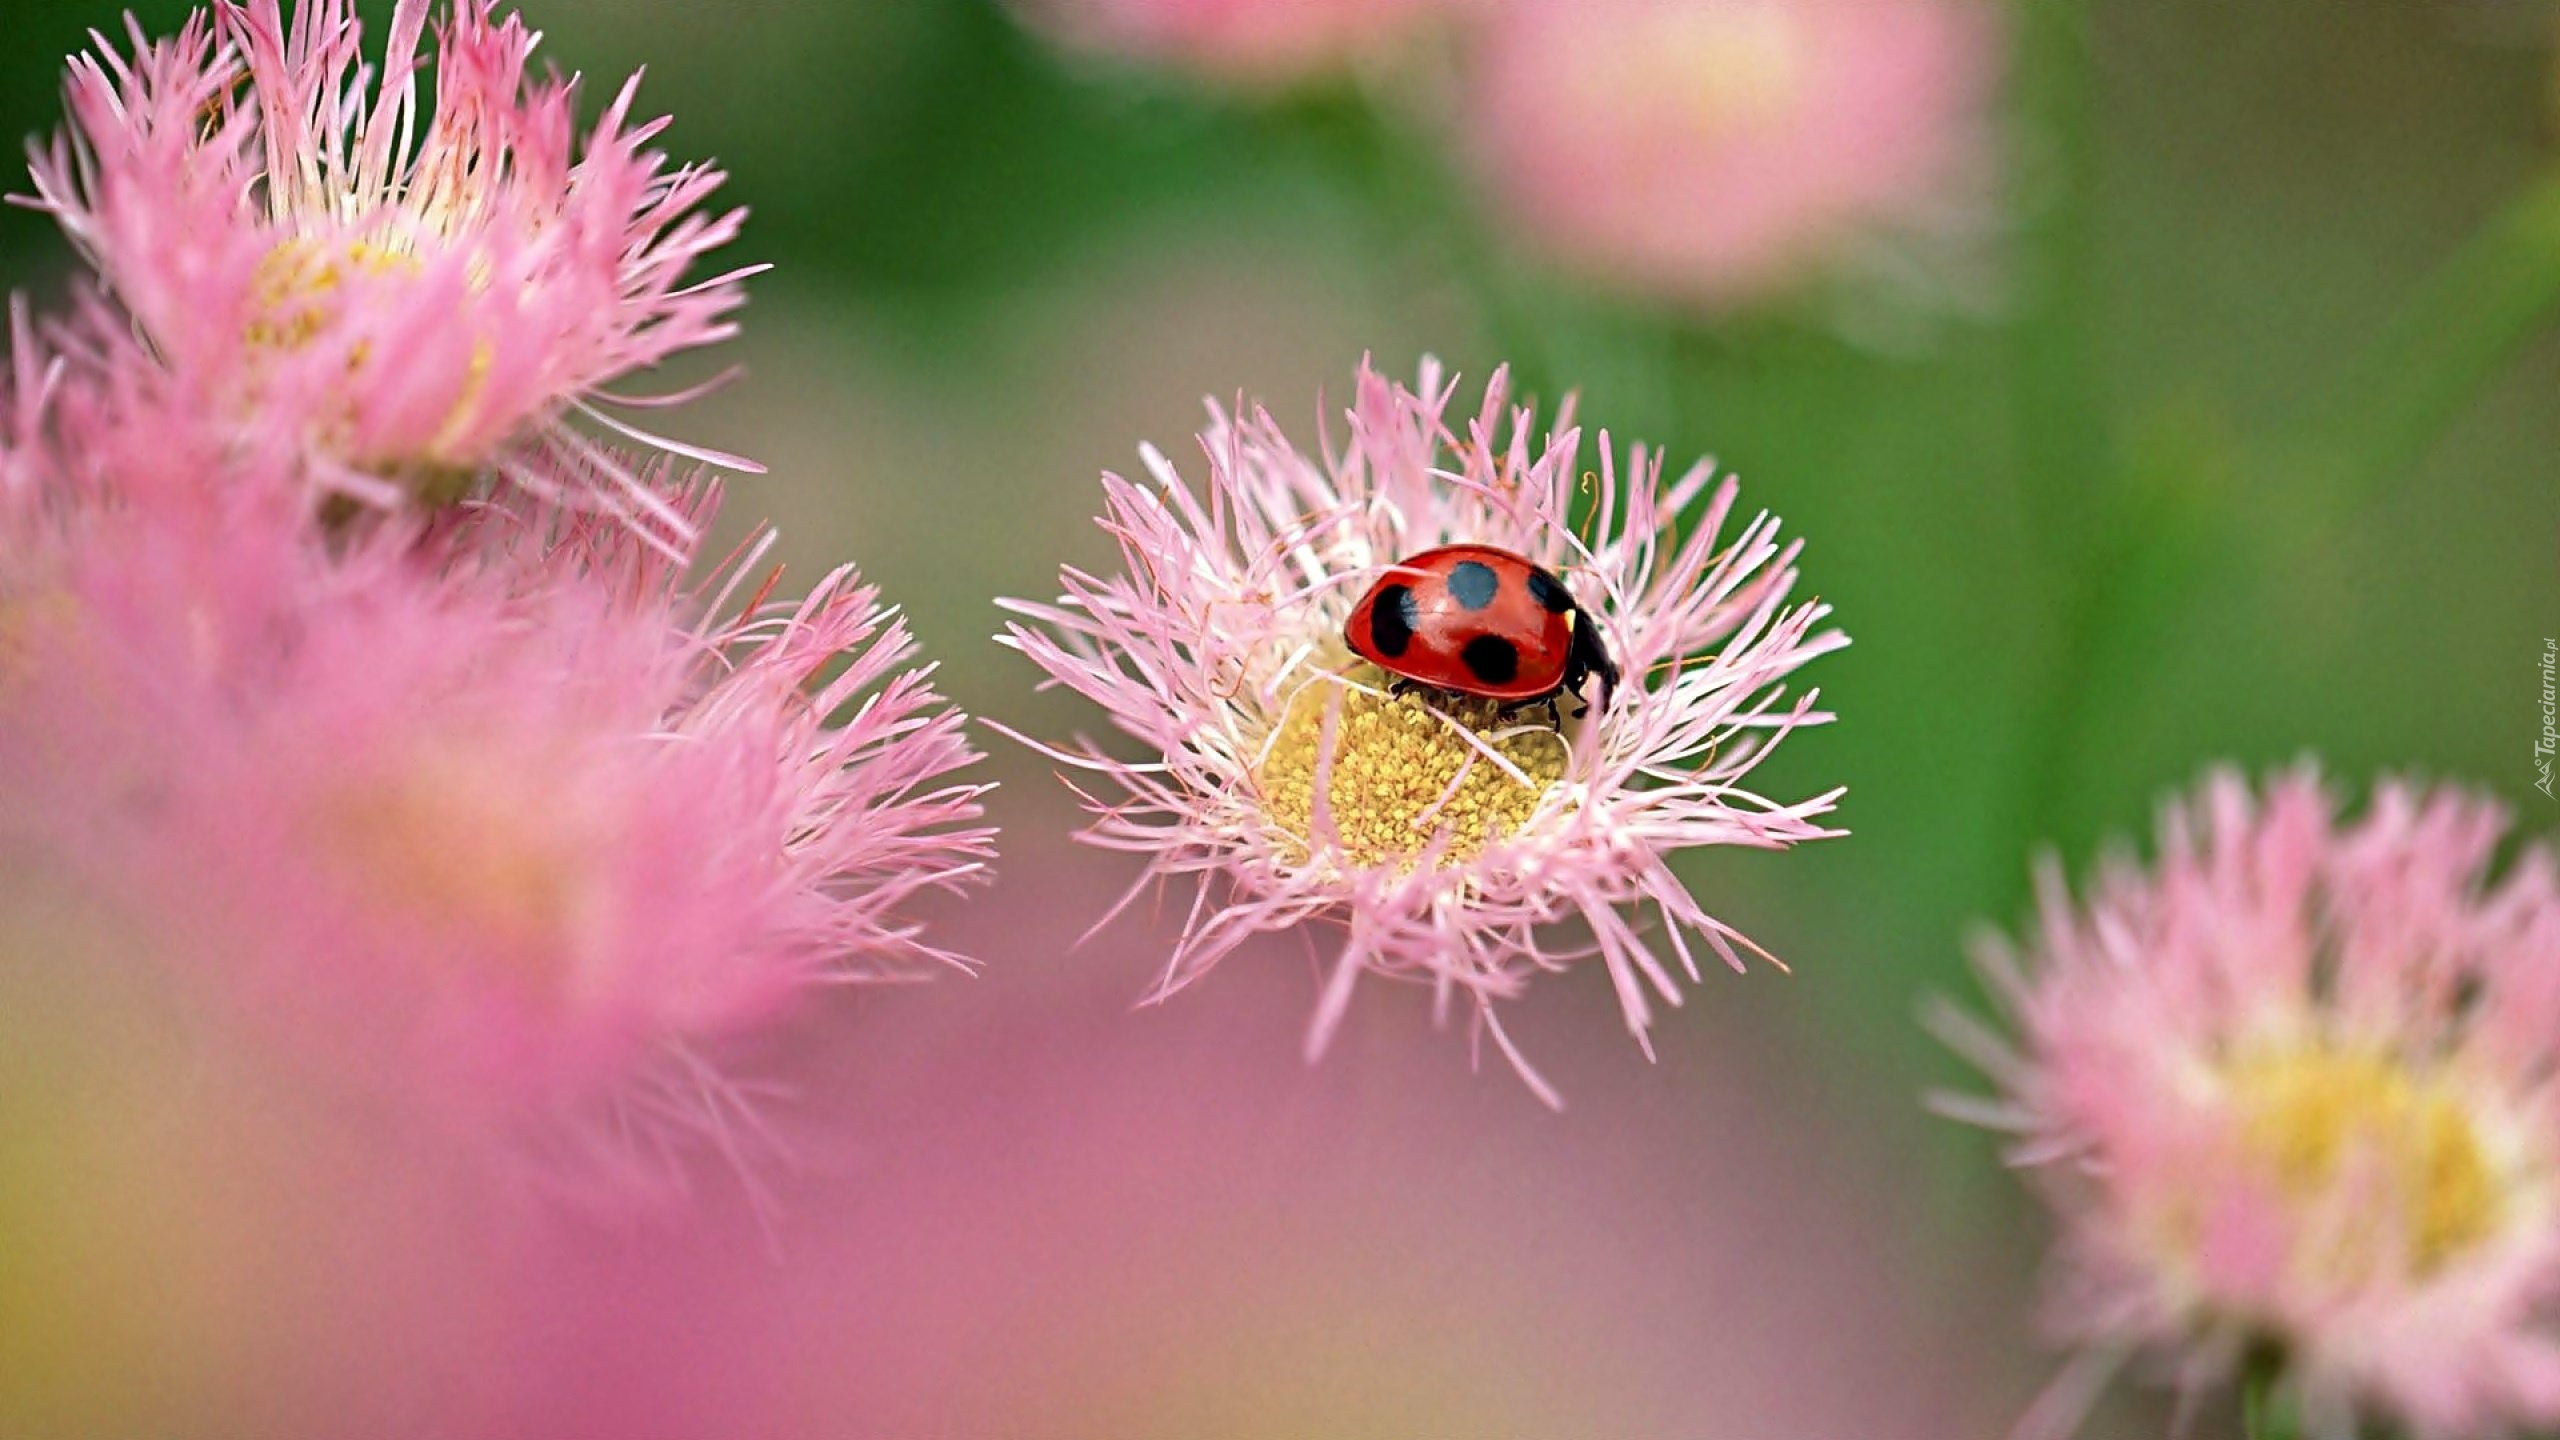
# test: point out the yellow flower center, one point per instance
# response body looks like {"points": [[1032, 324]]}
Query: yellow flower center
{"points": [[297, 291], [28, 622], [2314, 1121], [1403, 772], [455, 848], [295, 281], [1722, 69]]}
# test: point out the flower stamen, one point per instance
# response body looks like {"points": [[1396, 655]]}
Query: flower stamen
{"points": [[2315, 1120], [1403, 774], [27, 623], [296, 284], [476, 859]]}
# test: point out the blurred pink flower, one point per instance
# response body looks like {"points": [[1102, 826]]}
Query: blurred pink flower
{"points": [[489, 814], [1443, 840], [1257, 44], [1724, 150], [2291, 1091], [413, 315], [534, 857]]}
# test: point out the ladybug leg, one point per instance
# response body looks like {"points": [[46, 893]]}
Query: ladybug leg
{"points": [[1555, 721], [1403, 686]]}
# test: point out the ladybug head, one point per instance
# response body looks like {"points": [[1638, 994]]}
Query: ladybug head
{"points": [[1589, 657]]}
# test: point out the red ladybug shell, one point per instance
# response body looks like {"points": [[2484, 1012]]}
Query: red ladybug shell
{"points": [[1474, 619]]}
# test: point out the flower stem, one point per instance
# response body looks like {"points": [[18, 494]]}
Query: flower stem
{"points": [[2266, 1412], [2448, 341], [2064, 448], [2065, 453]]}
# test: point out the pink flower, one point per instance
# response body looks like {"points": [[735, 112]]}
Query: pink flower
{"points": [[1443, 841], [491, 820], [1255, 44], [2291, 1091], [1724, 150], [412, 314]]}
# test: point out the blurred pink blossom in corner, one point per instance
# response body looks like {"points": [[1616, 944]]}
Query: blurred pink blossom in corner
{"points": [[479, 809], [1724, 151], [2290, 1091]]}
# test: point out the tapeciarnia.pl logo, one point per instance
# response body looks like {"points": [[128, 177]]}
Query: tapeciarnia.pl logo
{"points": [[2550, 740]]}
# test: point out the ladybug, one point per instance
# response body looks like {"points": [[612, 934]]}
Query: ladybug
{"points": [[1482, 621]]}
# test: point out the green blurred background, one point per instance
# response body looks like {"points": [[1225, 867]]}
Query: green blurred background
{"points": [[2143, 518]]}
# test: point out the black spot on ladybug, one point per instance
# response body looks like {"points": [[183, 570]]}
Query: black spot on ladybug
{"points": [[1550, 592], [1473, 584], [1491, 659], [1392, 620]]}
